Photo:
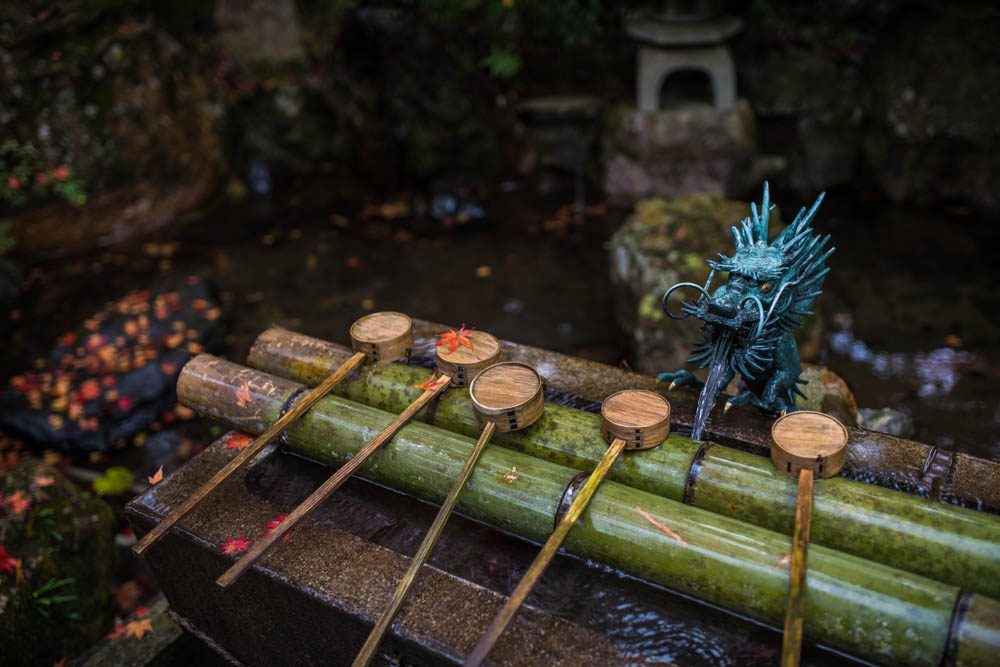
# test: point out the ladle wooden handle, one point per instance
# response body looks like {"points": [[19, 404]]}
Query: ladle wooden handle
{"points": [[262, 441], [331, 485], [544, 556], [423, 552], [791, 644]]}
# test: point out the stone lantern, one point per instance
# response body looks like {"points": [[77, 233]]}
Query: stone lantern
{"points": [[701, 137], [684, 35]]}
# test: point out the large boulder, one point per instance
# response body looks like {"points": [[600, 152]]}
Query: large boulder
{"points": [[57, 555], [112, 377]]}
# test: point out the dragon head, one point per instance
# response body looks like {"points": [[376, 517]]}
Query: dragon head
{"points": [[770, 289]]}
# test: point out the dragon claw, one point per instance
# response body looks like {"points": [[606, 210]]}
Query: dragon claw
{"points": [[727, 406], [784, 412], [673, 384]]}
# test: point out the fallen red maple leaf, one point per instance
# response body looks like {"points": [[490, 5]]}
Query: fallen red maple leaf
{"points": [[455, 338], [156, 476], [7, 564], [271, 525], [119, 629], [429, 384], [141, 611], [238, 441], [18, 502], [243, 395], [234, 544], [138, 628]]}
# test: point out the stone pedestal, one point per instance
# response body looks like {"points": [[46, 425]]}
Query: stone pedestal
{"points": [[679, 152]]}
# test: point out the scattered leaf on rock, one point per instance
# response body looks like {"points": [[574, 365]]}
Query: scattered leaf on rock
{"points": [[235, 544], [271, 525], [138, 628]]}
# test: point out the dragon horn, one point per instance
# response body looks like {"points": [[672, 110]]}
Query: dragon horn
{"points": [[760, 221]]}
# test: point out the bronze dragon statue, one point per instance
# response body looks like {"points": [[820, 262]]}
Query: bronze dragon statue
{"points": [[750, 320]]}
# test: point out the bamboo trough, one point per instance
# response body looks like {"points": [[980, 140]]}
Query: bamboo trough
{"points": [[865, 608], [947, 543]]}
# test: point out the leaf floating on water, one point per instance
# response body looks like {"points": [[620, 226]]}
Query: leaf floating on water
{"points": [[455, 338], [235, 544], [784, 561], [243, 395], [648, 517], [156, 477]]}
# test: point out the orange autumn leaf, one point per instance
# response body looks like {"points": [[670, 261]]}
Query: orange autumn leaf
{"points": [[429, 384], [238, 441], [138, 628], [18, 502], [119, 629], [243, 395], [156, 477], [235, 544], [455, 338]]}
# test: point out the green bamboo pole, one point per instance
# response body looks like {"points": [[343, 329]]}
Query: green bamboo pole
{"points": [[951, 544], [869, 609]]}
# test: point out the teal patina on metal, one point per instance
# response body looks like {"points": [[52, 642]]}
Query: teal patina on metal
{"points": [[750, 320]]}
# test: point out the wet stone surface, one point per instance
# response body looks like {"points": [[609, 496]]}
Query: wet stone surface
{"points": [[342, 564]]}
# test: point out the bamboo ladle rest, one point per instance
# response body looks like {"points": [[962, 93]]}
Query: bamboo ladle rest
{"points": [[630, 419], [343, 473], [506, 397], [381, 337], [806, 444]]}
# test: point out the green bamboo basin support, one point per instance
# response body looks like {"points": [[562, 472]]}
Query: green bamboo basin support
{"points": [[951, 544], [869, 609]]}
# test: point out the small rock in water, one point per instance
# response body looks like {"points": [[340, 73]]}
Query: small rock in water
{"points": [[887, 420]]}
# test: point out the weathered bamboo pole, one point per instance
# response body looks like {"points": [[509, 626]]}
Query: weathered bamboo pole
{"points": [[258, 445], [858, 606], [896, 462], [944, 542]]}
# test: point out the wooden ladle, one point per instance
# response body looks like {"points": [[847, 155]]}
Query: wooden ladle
{"points": [[806, 444], [506, 397], [630, 419]]}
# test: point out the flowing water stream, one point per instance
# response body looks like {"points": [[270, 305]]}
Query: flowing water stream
{"points": [[713, 383]]}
